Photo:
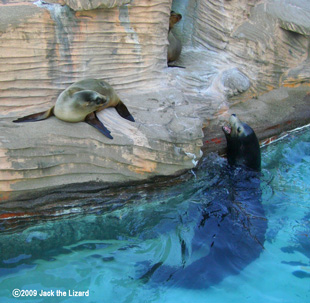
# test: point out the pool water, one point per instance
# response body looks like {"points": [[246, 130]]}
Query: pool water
{"points": [[218, 237]]}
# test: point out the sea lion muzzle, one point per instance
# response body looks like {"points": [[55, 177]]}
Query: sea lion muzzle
{"points": [[101, 101], [242, 144]]}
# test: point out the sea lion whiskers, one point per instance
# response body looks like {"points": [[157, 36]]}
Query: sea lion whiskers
{"points": [[90, 99]]}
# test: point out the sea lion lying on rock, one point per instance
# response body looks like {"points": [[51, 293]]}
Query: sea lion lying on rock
{"points": [[80, 101]]}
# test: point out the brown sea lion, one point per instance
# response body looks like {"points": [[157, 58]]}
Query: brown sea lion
{"points": [[175, 46], [80, 101]]}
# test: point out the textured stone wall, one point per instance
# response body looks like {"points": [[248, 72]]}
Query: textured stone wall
{"points": [[45, 47], [81, 5], [265, 40], [244, 56], [237, 51]]}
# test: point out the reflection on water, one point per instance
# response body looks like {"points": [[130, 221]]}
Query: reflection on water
{"points": [[206, 239]]}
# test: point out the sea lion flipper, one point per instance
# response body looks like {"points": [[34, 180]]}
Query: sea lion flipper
{"points": [[36, 117], [93, 120], [124, 112]]}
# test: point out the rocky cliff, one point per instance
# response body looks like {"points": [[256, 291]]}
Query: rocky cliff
{"points": [[249, 57]]}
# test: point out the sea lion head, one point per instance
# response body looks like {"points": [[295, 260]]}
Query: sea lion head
{"points": [[89, 100], [174, 18], [242, 144]]}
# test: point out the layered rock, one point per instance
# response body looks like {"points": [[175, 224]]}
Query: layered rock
{"points": [[78, 5], [240, 56], [259, 39], [260, 46]]}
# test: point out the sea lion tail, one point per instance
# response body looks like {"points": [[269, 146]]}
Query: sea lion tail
{"points": [[36, 117]]}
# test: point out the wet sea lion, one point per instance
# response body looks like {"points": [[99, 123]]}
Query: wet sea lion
{"points": [[242, 144], [80, 101], [223, 231], [175, 46]]}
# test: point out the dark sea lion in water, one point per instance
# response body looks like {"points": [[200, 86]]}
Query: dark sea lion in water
{"points": [[242, 144], [175, 45], [80, 101], [230, 220]]}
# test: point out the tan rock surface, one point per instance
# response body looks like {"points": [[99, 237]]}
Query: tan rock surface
{"points": [[80, 5]]}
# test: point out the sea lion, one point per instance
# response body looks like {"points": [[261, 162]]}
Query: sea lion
{"points": [[175, 46], [80, 101], [224, 230], [242, 144]]}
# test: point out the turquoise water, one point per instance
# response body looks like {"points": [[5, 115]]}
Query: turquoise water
{"points": [[159, 247]]}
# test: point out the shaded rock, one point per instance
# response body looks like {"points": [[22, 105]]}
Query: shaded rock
{"points": [[297, 75], [292, 15], [270, 114], [234, 82]]}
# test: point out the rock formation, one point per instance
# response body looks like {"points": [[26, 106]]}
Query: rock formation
{"points": [[244, 56]]}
